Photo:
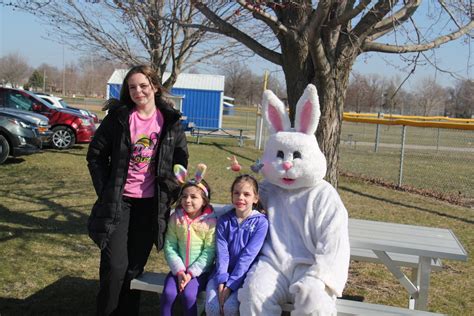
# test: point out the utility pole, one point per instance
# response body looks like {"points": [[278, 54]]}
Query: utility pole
{"points": [[64, 75], [44, 80]]}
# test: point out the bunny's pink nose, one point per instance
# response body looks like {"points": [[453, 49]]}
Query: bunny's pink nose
{"points": [[287, 165]]}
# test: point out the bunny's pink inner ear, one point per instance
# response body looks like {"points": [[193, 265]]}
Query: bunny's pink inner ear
{"points": [[275, 118], [306, 117]]}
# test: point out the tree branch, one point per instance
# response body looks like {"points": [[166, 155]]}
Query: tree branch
{"points": [[371, 18], [387, 24], [227, 29], [261, 15], [398, 49], [344, 18]]}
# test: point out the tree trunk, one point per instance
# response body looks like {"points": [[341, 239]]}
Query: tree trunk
{"points": [[329, 129], [298, 74], [295, 58]]}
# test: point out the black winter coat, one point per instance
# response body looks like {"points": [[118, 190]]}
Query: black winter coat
{"points": [[108, 160]]}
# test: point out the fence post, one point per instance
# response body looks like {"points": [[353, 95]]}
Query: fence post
{"points": [[437, 141], [259, 128], [260, 132], [402, 155], [377, 134]]}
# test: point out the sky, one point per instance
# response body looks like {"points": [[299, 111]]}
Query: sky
{"points": [[22, 33]]}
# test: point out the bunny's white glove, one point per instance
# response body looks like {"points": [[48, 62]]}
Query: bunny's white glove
{"points": [[311, 298]]}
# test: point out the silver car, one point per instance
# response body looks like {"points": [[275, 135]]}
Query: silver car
{"points": [[22, 132]]}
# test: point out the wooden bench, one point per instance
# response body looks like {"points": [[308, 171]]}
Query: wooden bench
{"points": [[154, 282], [200, 132]]}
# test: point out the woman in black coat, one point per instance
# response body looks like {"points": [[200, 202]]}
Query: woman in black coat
{"points": [[131, 159]]}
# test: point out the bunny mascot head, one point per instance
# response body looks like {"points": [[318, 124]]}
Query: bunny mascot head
{"points": [[305, 258], [292, 158]]}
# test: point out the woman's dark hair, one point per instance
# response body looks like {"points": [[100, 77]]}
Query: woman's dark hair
{"points": [[249, 179], [207, 199], [148, 72], [125, 98]]}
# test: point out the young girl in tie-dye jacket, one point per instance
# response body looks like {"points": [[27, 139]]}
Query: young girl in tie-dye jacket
{"points": [[189, 247]]}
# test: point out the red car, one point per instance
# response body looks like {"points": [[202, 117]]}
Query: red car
{"points": [[69, 127]]}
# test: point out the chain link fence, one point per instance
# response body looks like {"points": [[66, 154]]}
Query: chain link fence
{"points": [[438, 160], [432, 159]]}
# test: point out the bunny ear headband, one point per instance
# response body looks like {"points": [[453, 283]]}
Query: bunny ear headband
{"points": [[181, 173]]}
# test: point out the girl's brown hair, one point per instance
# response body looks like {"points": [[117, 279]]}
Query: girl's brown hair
{"points": [[249, 179], [206, 198]]}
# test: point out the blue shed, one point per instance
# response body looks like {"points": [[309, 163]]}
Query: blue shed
{"points": [[202, 96]]}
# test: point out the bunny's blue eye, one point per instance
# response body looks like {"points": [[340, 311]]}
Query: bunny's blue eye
{"points": [[296, 154], [280, 154]]}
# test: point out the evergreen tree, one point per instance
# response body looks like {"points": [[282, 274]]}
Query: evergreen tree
{"points": [[36, 80]]}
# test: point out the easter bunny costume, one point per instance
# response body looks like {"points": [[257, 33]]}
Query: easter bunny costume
{"points": [[305, 258]]}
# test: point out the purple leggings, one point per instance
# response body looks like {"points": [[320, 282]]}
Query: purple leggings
{"points": [[188, 297]]}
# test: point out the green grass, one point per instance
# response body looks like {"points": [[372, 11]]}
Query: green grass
{"points": [[447, 172], [48, 265]]}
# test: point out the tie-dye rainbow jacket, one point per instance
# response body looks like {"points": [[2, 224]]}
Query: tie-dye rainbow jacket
{"points": [[190, 243]]}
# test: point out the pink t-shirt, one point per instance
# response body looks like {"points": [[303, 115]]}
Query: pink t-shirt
{"points": [[144, 134]]}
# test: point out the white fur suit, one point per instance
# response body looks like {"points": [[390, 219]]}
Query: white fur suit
{"points": [[305, 258]]}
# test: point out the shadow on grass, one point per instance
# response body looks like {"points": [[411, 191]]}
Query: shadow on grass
{"points": [[13, 161], [76, 150], [434, 212], [61, 219], [68, 296]]}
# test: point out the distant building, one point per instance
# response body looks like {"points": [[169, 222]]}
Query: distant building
{"points": [[200, 97]]}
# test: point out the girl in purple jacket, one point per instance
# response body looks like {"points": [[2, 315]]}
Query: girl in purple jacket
{"points": [[240, 234]]}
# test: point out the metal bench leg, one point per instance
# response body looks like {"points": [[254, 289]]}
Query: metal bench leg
{"points": [[414, 278], [423, 283], [412, 288]]}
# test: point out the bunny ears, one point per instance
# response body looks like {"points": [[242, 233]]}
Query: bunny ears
{"points": [[181, 173], [307, 112]]}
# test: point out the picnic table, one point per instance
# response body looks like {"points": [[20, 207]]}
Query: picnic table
{"points": [[200, 132], [427, 245]]}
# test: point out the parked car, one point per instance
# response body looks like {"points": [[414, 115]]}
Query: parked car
{"points": [[22, 132], [60, 103], [68, 126]]}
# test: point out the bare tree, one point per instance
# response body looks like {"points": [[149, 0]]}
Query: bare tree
{"points": [[246, 86], [461, 103], [131, 32], [393, 93], [430, 98], [71, 79], [95, 71], [318, 42], [237, 76], [356, 93], [14, 69], [365, 93]]}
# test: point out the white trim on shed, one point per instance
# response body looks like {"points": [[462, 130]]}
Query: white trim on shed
{"points": [[184, 80]]}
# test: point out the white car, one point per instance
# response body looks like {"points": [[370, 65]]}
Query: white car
{"points": [[60, 103]]}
